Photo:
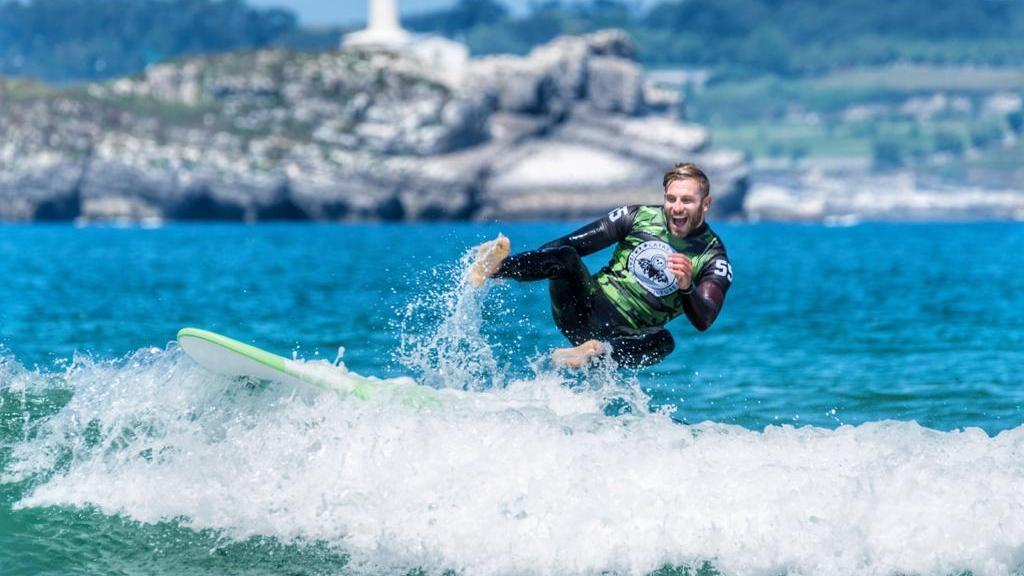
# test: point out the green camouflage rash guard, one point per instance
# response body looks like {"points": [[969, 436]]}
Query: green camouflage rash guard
{"points": [[636, 280]]}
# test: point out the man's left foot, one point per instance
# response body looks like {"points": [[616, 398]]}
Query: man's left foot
{"points": [[489, 257], [579, 356]]}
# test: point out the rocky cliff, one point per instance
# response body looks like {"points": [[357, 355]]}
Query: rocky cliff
{"points": [[569, 130]]}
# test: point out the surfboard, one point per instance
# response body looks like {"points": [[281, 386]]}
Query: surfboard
{"points": [[229, 357]]}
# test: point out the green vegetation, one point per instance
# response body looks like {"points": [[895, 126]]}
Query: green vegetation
{"points": [[166, 113], [887, 143], [901, 79], [70, 40], [891, 116], [62, 40], [17, 90], [790, 139], [782, 37]]}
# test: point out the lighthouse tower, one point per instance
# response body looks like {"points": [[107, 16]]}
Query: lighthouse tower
{"points": [[383, 28]]}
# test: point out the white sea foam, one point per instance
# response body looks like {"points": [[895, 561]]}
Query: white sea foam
{"points": [[451, 352], [529, 479]]}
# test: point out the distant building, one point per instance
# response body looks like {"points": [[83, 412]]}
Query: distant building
{"points": [[446, 58], [383, 28]]}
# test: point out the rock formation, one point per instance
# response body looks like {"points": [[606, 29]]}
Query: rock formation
{"points": [[354, 134], [848, 198]]}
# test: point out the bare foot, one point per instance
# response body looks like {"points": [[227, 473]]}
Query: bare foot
{"points": [[489, 257], [578, 356]]}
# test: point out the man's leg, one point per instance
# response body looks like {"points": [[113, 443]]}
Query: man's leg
{"points": [[571, 286], [579, 356], [628, 351], [572, 300], [642, 349]]}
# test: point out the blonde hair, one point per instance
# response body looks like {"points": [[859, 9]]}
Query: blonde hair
{"points": [[687, 171]]}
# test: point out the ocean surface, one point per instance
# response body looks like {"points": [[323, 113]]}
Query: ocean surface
{"points": [[857, 408]]}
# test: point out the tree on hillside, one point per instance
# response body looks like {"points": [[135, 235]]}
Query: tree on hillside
{"points": [[86, 39], [459, 19], [90, 39], [827, 32]]}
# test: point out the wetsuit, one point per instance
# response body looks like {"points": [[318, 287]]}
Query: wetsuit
{"points": [[629, 301]]}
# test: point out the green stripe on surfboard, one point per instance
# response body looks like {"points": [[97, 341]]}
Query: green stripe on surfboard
{"points": [[230, 357], [268, 359]]}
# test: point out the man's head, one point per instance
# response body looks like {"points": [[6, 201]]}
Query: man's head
{"points": [[687, 198]]}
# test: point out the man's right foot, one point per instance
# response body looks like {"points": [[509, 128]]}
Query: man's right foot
{"points": [[579, 356], [489, 257]]}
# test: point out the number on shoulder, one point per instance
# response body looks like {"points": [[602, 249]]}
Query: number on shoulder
{"points": [[618, 213], [724, 269]]}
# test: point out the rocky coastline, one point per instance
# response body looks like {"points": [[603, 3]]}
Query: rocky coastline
{"points": [[854, 196], [570, 130]]}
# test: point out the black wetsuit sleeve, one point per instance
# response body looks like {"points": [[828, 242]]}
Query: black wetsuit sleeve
{"points": [[703, 300], [610, 229]]}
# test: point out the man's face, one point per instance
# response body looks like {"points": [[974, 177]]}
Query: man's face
{"points": [[685, 206]]}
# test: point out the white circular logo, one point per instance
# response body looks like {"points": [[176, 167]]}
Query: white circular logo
{"points": [[648, 262]]}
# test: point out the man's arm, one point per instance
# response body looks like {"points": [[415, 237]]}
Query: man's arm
{"points": [[703, 302], [610, 229]]}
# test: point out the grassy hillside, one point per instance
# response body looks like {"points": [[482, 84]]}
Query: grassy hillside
{"points": [[887, 117]]}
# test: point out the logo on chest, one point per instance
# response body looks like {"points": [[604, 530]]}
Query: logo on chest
{"points": [[648, 262]]}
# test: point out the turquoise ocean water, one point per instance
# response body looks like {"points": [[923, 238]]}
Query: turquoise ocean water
{"points": [[856, 409]]}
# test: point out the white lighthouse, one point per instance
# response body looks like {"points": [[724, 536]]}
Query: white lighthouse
{"points": [[383, 27]]}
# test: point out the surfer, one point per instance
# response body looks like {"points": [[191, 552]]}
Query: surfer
{"points": [[667, 262]]}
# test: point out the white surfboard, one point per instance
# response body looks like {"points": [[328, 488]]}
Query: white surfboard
{"points": [[232, 358], [235, 359]]}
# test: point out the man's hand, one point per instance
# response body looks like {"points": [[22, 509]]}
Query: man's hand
{"points": [[681, 267]]}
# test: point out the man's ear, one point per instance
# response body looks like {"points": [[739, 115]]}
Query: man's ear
{"points": [[707, 203]]}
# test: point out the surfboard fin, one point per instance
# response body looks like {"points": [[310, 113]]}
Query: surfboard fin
{"points": [[489, 257]]}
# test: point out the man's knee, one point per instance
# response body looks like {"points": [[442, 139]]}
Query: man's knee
{"points": [[659, 345], [646, 350], [564, 258], [551, 263], [664, 341]]}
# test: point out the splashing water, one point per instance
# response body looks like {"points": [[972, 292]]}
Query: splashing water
{"points": [[532, 478], [444, 344], [453, 351]]}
